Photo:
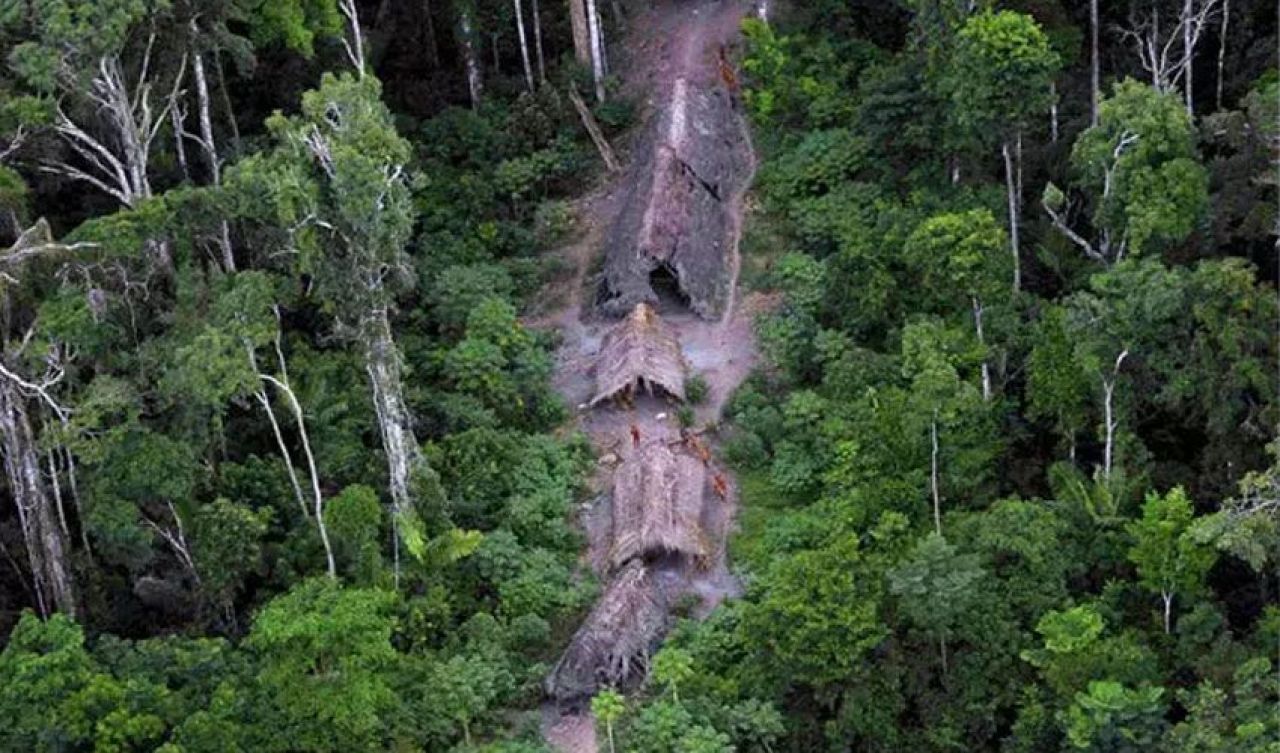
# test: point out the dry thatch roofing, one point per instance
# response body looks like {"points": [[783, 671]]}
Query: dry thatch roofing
{"points": [[641, 351], [615, 640], [657, 505]]}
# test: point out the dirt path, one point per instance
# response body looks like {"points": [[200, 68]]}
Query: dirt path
{"points": [[677, 41]]}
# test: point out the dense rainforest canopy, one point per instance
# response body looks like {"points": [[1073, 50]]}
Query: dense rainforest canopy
{"points": [[284, 468]]}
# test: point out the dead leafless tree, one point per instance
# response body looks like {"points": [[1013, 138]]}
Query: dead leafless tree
{"points": [[131, 117], [1166, 52]]}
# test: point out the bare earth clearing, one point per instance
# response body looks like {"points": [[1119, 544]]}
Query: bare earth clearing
{"points": [[673, 42]]}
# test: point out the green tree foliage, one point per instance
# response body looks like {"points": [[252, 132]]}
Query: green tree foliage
{"points": [[1138, 168], [324, 657], [55, 694], [965, 515], [1170, 561], [998, 77]]}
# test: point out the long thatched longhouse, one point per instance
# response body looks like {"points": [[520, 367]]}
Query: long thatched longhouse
{"points": [[614, 643], [641, 352], [675, 220], [657, 506]]}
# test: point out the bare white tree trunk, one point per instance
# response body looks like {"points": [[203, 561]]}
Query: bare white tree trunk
{"points": [[597, 48], [1222, 46], [47, 547], [933, 474], [1169, 58], [176, 538], [210, 147], [537, 43], [1095, 69], [116, 165], [1053, 111], [1110, 422], [600, 43], [285, 386], [1167, 598], [57, 493], [524, 45], [982, 340], [1011, 190], [281, 383], [355, 45], [176, 117], [264, 400], [470, 55], [382, 361], [1188, 6]]}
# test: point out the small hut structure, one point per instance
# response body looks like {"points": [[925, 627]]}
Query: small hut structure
{"points": [[641, 351], [657, 506], [615, 641]]}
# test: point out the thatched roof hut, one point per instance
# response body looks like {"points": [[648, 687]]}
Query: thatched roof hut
{"points": [[641, 351], [615, 641], [676, 213], [657, 505]]}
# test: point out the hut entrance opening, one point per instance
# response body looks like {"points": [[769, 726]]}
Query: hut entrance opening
{"points": [[665, 282]]}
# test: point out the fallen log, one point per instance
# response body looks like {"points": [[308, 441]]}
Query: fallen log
{"points": [[597, 135]]}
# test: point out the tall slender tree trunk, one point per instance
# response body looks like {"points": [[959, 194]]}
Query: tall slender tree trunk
{"points": [[404, 456], [537, 43], [524, 45], [355, 45], [1095, 66], [1167, 598], [285, 386], [933, 473], [210, 147], [1109, 425], [597, 48], [179, 143], [982, 340], [601, 47], [1110, 422], [1222, 47], [581, 31], [1053, 111], [1011, 191], [470, 55], [47, 546], [1188, 10]]}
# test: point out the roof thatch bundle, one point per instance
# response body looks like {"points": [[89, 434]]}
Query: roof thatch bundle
{"points": [[641, 351], [615, 640], [657, 505]]}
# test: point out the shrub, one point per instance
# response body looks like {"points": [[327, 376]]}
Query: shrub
{"points": [[696, 389], [685, 416]]}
